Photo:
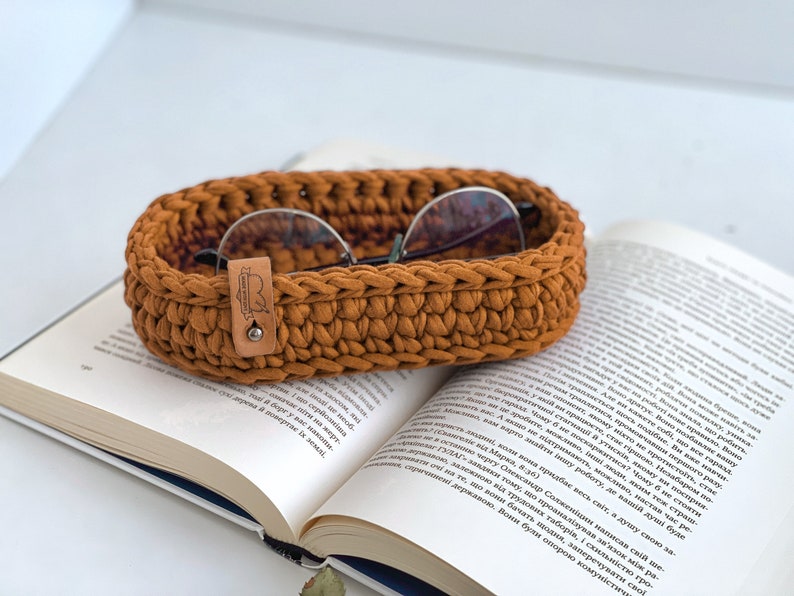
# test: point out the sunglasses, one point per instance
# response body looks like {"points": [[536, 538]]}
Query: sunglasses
{"points": [[466, 223]]}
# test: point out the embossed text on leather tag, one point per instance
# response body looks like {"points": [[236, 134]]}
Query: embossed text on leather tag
{"points": [[253, 313]]}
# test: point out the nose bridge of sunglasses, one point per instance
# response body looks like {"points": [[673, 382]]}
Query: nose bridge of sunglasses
{"points": [[396, 249]]}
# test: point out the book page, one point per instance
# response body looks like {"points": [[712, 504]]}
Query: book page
{"points": [[649, 451], [295, 441]]}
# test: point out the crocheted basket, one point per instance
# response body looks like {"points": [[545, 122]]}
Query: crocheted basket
{"points": [[352, 319]]}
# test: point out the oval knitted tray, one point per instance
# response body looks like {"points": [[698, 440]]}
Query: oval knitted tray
{"points": [[359, 318]]}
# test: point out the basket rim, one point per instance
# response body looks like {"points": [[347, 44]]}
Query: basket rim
{"points": [[529, 266]]}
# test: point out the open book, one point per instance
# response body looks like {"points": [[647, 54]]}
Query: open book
{"points": [[649, 451]]}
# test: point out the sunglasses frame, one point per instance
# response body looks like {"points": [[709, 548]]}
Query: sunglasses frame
{"points": [[211, 256]]}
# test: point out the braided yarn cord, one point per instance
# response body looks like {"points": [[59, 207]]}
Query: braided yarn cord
{"points": [[361, 318]]}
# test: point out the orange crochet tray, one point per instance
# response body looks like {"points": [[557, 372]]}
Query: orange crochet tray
{"points": [[360, 318]]}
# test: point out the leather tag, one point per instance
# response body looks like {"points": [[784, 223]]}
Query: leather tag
{"points": [[253, 313]]}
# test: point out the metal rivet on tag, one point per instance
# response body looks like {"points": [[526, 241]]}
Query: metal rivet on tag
{"points": [[255, 333]]}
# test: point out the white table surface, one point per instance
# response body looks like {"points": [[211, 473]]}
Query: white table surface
{"points": [[180, 97]]}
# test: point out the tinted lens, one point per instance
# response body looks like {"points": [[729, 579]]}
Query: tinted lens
{"points": [[468, 223], [294, 240]]}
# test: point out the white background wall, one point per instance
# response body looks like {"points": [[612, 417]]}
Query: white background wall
{"points": [[47, 46], [731, 40]]}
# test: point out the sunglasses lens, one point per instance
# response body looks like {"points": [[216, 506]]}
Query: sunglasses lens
{"points": [[294, 241], [467, 223]]}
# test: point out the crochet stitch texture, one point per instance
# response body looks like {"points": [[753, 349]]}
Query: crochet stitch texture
{"points": [[363, 318]]}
